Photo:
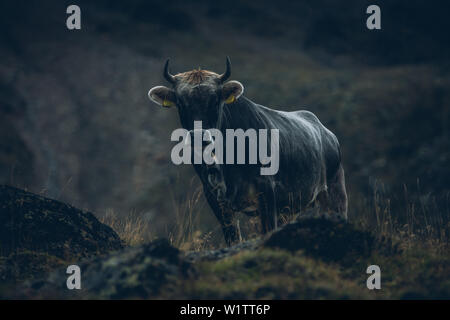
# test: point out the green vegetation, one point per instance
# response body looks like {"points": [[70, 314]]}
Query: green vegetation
{"points": [[410, 269], [278, 274], [271, 274], [320, 260]]}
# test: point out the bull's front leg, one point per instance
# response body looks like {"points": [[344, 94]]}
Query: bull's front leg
{"points": [[229, 228], [216, 195]]}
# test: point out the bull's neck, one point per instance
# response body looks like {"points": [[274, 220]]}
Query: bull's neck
{"points": [[241, 114]]}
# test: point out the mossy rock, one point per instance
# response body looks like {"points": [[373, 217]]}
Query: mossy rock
{"points": [[37, 233], [324, 239], [36, 223], [269, 274], [23, 265], [141, 272]]}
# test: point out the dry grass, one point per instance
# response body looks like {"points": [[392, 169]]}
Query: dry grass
{"points": [[132, 228], [418, 221], [186, 233]]}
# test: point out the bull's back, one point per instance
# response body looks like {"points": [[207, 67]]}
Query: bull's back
{"points": [[330, 149]]}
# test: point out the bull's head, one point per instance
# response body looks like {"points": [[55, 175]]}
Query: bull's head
{"points": [[199, 94]]}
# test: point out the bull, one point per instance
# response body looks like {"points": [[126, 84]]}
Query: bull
{"points": [[310, 171]]}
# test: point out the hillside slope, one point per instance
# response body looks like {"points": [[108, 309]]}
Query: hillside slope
{"points": [[311, 258]]}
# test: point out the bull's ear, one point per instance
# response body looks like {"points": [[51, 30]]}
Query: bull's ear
{"points": [[231, 91], [162, 96]]}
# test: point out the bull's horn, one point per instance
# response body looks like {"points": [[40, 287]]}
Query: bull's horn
{"points": [[167, 74], [224, 76]]}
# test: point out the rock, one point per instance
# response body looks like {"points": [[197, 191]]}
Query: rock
{"points": [[316, 235], [134, 273], [325, 239], [25, 264], [37, 233], [213, 255]]}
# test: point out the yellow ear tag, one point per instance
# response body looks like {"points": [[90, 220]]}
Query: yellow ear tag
{"points": [[168, 103], [230, 99]]}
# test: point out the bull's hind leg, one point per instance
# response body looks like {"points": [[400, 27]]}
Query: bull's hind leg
{"points": [[338, 194], [267, 208], [333, 202]]}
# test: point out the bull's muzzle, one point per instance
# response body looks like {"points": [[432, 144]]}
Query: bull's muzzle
{"points": [[205, 136]]}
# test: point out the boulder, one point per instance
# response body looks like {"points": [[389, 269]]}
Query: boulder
{"points": [[142, 272], [325, 239], [37, 233]]}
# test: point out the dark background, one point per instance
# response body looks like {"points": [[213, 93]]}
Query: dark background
{"points": [[76, 124]]}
